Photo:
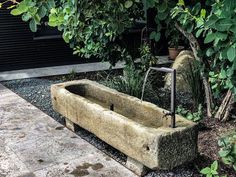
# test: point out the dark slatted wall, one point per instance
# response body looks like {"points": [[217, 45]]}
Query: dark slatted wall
{"points": [[19, 49]]}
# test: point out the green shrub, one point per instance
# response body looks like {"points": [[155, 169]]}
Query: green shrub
{"points": [[195, 116], [147, 59], [228, 149], [193, 78], [131, 83], [211, 171]]}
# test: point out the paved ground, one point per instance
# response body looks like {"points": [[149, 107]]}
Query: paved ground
{"points": [[32, 144], [60, 70]]}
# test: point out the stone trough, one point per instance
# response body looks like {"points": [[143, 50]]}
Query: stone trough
{"points": [[138, 129]]}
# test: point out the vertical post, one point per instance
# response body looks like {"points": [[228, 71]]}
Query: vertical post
{"points": [[173, 97]]}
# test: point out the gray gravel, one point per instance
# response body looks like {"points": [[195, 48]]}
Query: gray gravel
{"points": [[37, 92]]}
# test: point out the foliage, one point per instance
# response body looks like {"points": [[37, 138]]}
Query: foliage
{"points": [[211, 171], [193, 77], [214, 21], [195, 116], [146, 57], [174, 37], [130, 83], [162, 18], [228, 149], [92, 28], [33, 11]]}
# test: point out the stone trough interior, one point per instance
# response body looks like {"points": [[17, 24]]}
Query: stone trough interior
{"points": [[133, 110]]}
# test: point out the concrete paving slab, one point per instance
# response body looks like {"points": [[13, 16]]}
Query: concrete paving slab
{"points": [[32, 144], [57, 70], [60, 70]]}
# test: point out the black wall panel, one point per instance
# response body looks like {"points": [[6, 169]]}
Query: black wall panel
{"points": [[19, 49]]}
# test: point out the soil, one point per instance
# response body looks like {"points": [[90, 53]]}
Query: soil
{"points": [[210, 131]]}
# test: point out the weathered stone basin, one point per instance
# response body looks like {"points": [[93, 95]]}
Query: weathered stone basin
{"points": [[136, 128]]}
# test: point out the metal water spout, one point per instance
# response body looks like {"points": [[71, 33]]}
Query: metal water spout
{"points": [[173, 90]]}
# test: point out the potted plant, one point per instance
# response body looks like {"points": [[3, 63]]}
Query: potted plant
{"points": [[175, 38]]}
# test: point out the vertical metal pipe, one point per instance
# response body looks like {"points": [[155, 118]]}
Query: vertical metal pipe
{"points": [[173, 97], [173, 90]]}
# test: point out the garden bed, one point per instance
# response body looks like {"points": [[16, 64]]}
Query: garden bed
{"points": [[37, 92]]}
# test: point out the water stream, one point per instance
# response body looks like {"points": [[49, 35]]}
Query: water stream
{"points": [[144, 82]]}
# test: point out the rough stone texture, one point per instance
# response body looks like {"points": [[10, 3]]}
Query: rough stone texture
{"points": [[32, 144], [136, 167], [181, 64], [136, 128], [70, 124]]}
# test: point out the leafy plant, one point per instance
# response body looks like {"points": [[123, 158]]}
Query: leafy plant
{"points": [[130, 82], [228, 149], [174, 37], [211, 171], [195, 116], [146, 57], [214, 23], [163, 18], [33, 11], [92, 28]]}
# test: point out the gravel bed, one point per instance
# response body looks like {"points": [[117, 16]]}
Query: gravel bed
{"points": [[37, 92]]}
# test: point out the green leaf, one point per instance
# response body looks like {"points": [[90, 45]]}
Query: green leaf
{"points": [[221, 36], [33, 25], [209, 38], [231, 53], [233, 28], [196, 8], [224, 153], [157, 37], [203, 13], [163, 6], [210, 52], [223, 24], [162, 16], [211, 21], [152, 35], [214, 166], [205, 171], [199, 32], [128, 4], [42, 11], [222, 74], [181, 3], [26, 16], [51, 3], [16, 12]]}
